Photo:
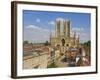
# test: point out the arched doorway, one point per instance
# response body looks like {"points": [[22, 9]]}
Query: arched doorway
{"points": [[67, 45], [63, 42]]}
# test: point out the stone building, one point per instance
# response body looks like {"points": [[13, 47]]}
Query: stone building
{"points": [[62, 36]]}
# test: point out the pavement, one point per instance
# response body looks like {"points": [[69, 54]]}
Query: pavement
{"points": [[59, 62]]}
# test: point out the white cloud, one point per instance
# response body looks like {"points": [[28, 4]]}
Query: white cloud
{"points": [[32, 26], [51, 23], [84, 35], [77, 29], [34, 33], [38, 20], [36, 28]]}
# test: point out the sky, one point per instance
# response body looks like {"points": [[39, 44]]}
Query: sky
{"points": [[37, 25]]}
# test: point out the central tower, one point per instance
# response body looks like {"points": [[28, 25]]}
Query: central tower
{"points": [[62, 28], [62, 36]]}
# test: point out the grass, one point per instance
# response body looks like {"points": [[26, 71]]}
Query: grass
{"points": [[52, 65]]}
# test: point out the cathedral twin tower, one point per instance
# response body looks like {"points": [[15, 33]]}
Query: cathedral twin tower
{"points": [[62, 28], [62, 35]]}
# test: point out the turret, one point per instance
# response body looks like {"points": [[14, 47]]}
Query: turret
{"points": [[68, 28], [57, 28]]}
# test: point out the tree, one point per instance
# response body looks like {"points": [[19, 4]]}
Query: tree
{"points": [[25, 42], [52, 65], [88, 43], [46, 43], [87, 47]]}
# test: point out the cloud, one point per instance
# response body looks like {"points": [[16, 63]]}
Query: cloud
{"points": [[37, 34], [83, 34], [84, 37], [77, 29], [51, 23], [37, 20], [37, 28], [34, 33], [60, 19]]}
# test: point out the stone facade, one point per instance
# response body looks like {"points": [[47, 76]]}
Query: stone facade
{"points": [[62, 36]]}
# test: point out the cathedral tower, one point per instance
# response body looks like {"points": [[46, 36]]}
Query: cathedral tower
{"points": [[62, 34], [67, 23], [62, 28], [65, 28], [57, 30]]}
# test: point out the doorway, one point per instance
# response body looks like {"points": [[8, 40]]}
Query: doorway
{"points": [[63, 42]]}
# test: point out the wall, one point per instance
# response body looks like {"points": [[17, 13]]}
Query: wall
{"points": [[5, 40]]}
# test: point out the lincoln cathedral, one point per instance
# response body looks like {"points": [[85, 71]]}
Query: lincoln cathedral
{"points": [[62, 36], [64, 49]]}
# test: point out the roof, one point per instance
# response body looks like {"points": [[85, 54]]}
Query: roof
{"points": [[73, 49]]}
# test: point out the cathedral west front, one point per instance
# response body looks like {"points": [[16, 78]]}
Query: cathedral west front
{"points": [[62, 36]]}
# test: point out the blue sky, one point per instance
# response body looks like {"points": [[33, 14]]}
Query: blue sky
{"points": [[38, 24]]}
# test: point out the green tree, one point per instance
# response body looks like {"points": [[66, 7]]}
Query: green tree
{"points": [[52, 65], [88, 43], [25, 42], [46, 43], [87, 47]]}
